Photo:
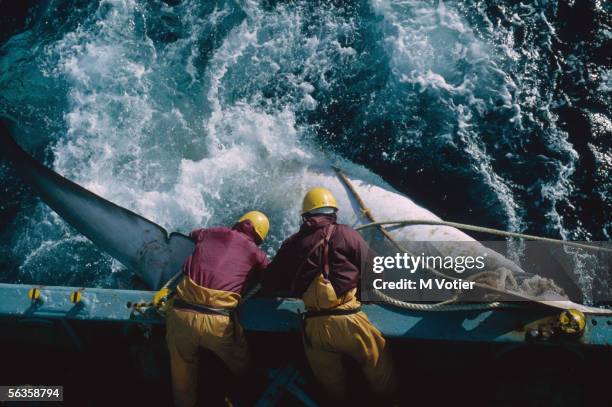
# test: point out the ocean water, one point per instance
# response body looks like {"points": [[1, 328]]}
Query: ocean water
{"points": [[489, 112]]}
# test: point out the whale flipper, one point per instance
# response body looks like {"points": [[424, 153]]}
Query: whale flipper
{"points": [[139, 244]]}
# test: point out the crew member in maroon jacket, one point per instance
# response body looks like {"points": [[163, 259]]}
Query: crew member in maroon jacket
{"points": [[322, 264], [200, 315]]}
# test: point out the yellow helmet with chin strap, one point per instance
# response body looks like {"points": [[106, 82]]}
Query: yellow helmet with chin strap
{"points": [[318, 198], [260, 222]]}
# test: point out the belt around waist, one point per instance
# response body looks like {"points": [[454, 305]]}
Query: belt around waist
{"points": [[330, 312], [184, 305]]}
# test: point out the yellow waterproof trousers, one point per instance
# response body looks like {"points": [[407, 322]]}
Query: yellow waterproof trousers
{"points": [[329, 338], [187, 331]]}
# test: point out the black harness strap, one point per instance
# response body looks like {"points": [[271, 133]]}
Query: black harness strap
{"points": [[203, 309], [329, 230], [325, 243]]}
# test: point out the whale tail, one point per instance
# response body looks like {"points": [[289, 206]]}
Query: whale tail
{"points": [[139, 244]]}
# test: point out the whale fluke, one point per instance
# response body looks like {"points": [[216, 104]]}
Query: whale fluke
{"points": [[139, 244]]}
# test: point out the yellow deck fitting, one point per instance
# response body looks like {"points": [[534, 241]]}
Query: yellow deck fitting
{"points": [[161, 297], [34, 294], [572, 322], [76, 297]]}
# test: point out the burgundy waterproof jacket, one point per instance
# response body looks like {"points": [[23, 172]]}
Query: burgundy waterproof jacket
{"points": [[225, 258], [348, 254]]}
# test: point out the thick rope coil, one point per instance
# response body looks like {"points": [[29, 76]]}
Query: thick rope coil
{"points": [[444, 305]]}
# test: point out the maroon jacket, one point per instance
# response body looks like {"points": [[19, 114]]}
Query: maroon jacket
{"points": [[224, 258], [348, 253]]}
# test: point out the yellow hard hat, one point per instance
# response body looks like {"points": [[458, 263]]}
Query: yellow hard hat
{"points": [[318, 198], [260, 223]]}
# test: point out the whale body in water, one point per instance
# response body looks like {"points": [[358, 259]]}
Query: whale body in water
{"points": [[155, 255]]}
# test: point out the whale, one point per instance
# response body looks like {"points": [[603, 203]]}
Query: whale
{"points": [[156, 255], [139, 244]]}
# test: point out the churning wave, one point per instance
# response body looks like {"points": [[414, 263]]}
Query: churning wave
{"points": [[187, 112]]}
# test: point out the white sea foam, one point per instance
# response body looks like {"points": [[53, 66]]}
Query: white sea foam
{"points": [[432, 47], [474, 74], [206, 163]]}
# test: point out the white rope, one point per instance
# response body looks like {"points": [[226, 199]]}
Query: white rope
{"points": [[412, 222], [172, 280], [448, 305]]}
